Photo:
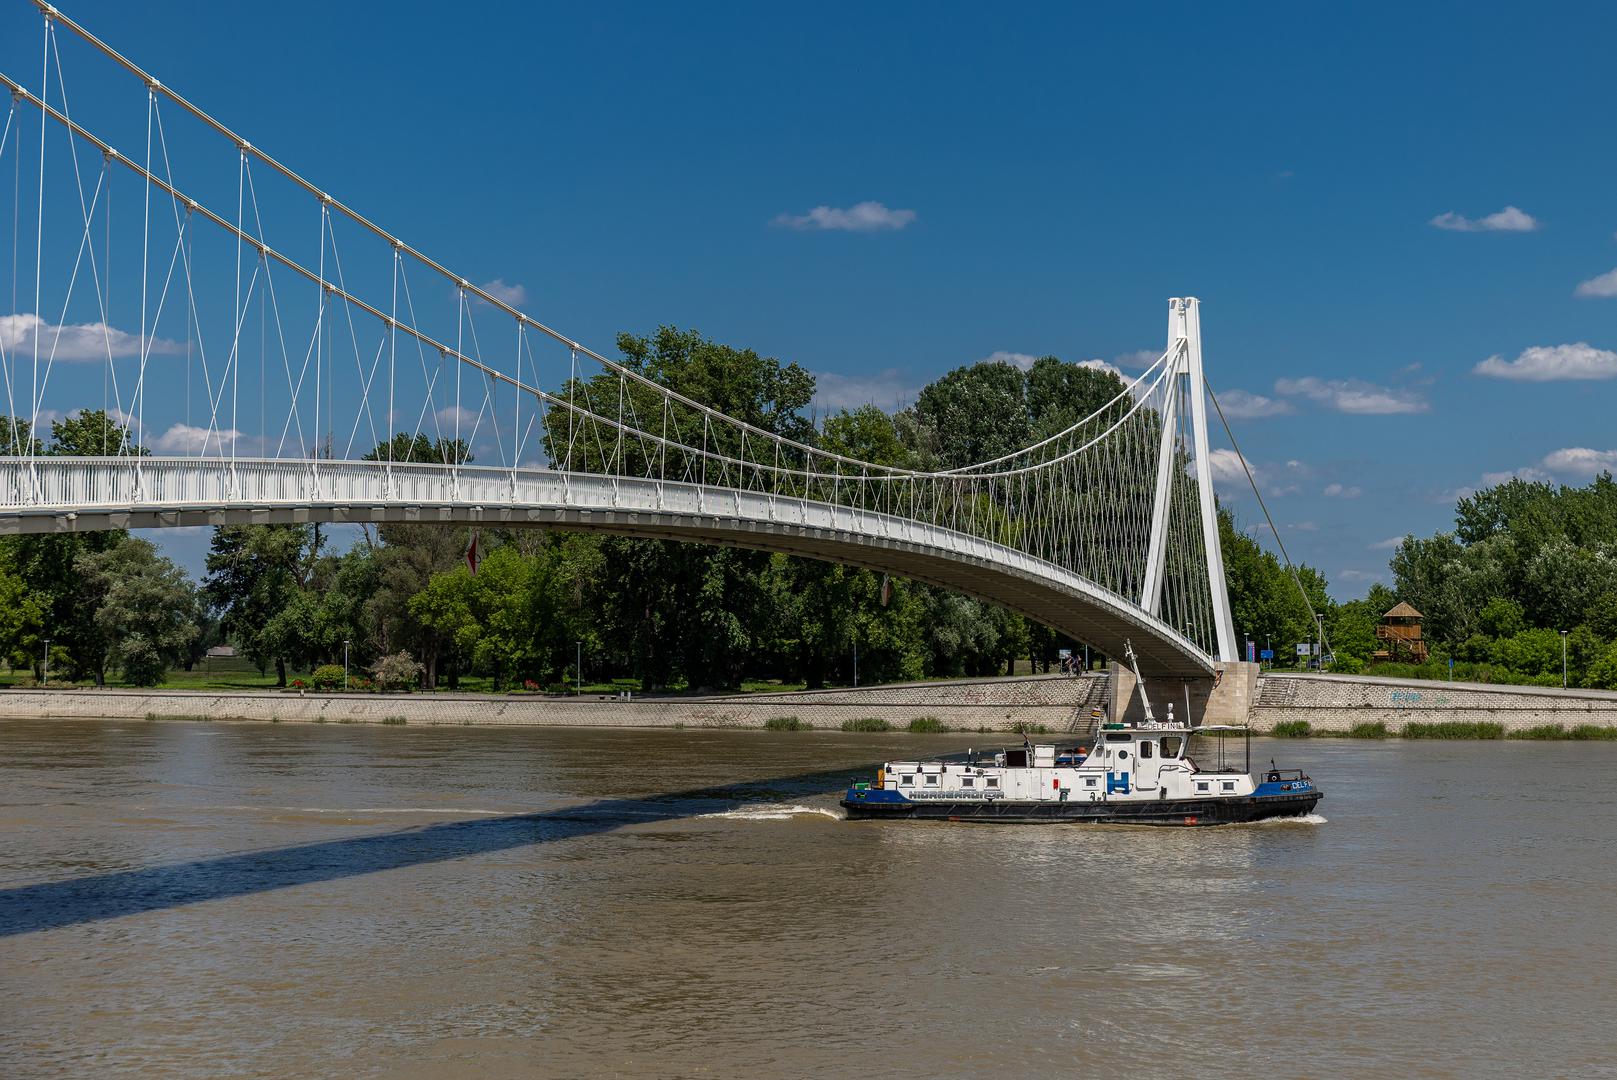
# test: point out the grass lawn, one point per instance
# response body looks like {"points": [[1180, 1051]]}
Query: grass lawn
{"points": [[236, 673]]}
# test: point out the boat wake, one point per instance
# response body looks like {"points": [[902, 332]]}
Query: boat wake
{"points": [[1301, 819], [774, 813]]}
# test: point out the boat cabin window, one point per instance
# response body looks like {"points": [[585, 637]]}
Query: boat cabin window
{"points": [[931, 780], [1171, 745], [993, 781], [1016, 759], [1228, 785], [1117, 736], [1145, 747], [908, 780], [966, 781], [1091, 781], [1202, 785]]}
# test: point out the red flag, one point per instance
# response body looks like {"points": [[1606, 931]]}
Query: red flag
{"points": [[473, 557]]}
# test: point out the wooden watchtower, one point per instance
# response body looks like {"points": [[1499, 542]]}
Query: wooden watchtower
{"points": [[1400, 632]]}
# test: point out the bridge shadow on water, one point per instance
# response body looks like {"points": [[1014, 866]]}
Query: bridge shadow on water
{"points": [[52, 905]]}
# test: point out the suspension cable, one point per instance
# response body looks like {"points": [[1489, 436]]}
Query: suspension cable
{"points": [[1273, 531]]}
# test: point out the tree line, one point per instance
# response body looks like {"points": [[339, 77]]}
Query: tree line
{"points": [[669, 614]]}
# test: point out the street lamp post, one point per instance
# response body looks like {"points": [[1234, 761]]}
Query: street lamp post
{"points": [[345, 663], [578, 672], [856, 659], [1563, 659], [46, 667], [1319, 638]]}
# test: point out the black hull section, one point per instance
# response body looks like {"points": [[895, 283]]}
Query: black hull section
{"points": [[1226, 811]]}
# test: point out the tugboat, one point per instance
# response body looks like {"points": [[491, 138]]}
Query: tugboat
{"points": [[1137, 774]]}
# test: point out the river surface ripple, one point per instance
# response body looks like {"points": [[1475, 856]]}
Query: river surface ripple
{"points": [[234, 900]]}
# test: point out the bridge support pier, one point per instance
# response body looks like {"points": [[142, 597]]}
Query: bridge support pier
{"points": [[1225, 697]]}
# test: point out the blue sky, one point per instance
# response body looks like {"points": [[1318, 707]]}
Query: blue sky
{"points": [[1372, 202]]}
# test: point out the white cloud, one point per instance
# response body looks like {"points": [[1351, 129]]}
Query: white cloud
{"points": [[468, 420], [1576, 463], [186, 439], [1242, 405], [1362, 575], [1580, 461], [1354, 396], [1548, 363], [1601, 285], [1529, 473], [1338, 491], [1139, 359], [885, 388], [1388, 544], [1226, 467], [860, 217], [1101, 365], [1020, 360], [1509, 219], [514, 294], [74, 341]]}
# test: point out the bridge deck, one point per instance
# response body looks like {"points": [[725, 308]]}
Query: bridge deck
{"points": [[86, 494]]}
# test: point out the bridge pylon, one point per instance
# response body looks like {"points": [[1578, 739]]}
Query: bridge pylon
{"points": [[1188, 389]]}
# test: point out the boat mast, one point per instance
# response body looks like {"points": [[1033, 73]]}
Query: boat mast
{"points": [[1134, 666]]}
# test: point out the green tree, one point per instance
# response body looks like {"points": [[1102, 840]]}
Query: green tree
{"points": [[92, 433], [255, 576], [978, 413], [22, 620], [144, 609], [46, 562], [16, 437]]}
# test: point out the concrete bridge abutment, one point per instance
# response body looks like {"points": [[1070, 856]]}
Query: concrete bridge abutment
{"points": [[1225, 697]]}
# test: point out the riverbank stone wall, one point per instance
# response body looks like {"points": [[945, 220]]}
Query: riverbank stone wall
{"points": [[1340, 702], [1057, 704]]}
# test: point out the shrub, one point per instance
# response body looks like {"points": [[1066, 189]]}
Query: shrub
{"points": [[530, 686], [1592, 731], [785, 723], [360, 683], [1292, 729], [394, 720], [1542, 731], [1022, 727], [327, 677], [926, 725], [396, 672], [1454, 729], [1373, 729], [298, 684], [867, 723], [1347, 665]]}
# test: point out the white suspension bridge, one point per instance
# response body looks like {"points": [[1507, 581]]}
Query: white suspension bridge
{"points": [[282, 339]]}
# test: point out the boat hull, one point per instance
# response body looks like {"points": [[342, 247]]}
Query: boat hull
{"points": [[1227, 810]]}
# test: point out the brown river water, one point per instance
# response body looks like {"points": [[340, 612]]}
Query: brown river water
{"points": [[235, 900]]}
